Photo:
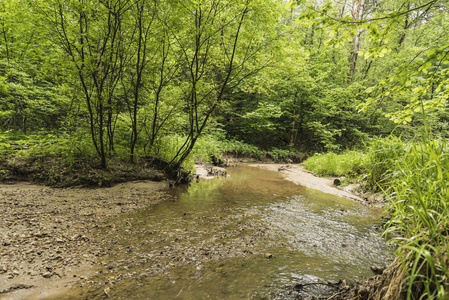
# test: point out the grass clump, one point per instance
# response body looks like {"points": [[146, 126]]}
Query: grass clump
{"points": [[382, 155], [414, 177], [419, 209], [349, 163]]}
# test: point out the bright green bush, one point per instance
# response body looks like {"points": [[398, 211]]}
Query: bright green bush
{"points": [[205, 147], [382, 156], [349, 163], [45, 144]]}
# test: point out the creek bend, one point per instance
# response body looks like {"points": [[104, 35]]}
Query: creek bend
{"points": [[212, 240]]}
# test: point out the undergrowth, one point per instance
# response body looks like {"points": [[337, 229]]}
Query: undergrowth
{"points": [[382, 156], [349, 163], [70, 148], [241, 149], [205, 147], [41, 145], [418, 192], [414, 176]]}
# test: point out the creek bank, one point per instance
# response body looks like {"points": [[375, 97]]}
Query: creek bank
{"points": [[297, 174], [205, 171], [57, 172], [46, 234]]}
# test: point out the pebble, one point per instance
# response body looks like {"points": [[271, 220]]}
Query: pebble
{"points": [[47, 275]]}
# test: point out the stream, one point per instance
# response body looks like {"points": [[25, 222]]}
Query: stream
{"points": [[247, 236]]}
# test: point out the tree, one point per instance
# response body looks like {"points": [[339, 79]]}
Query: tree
{"points": [[357, 12], [91, 33], [216, 46]]}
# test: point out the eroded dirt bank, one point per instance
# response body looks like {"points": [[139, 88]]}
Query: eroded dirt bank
{"points": [[46, 240]]}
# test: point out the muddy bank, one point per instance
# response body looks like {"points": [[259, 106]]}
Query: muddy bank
{"points": [[46, 240], [58, 172]]}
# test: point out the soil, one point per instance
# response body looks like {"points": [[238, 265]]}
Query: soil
{"points": [[46, 241], [56, 172]]}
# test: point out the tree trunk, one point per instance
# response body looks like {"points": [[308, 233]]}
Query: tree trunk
{"points": [[357, 15]]}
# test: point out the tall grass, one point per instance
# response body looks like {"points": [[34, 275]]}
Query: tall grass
{"points": [[419, 209], [349, 163], [415, 179], [382, 155]]}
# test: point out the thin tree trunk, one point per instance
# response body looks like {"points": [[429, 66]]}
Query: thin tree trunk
{"points": [[357, 14]]}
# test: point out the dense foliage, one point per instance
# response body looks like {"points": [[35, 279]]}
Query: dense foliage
{"points": [[142, 77], [145, 76], [182, 80]]}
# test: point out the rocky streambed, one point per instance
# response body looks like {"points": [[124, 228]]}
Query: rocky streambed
{"points": [[244, 236], [46, 234]]}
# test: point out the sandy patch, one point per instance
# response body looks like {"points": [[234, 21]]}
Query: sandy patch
{"points": [[298, 175]]}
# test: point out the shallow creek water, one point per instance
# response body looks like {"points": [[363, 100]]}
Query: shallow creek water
{"points": [[213, 240]]}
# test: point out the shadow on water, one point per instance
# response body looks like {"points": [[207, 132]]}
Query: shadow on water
{"points": [[243, 237]]}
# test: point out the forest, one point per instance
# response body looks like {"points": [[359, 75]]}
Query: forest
{"points": [[356, 87]]}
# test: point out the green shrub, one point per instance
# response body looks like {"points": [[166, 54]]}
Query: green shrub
{"points": [[382, 156], [349, 163], [44, 144], [206, 146], [238, 148], [281, 154]]}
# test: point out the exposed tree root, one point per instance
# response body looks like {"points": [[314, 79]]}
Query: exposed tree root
{"points": [[390, 285]]}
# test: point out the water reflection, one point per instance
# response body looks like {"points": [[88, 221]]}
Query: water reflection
{"points": [[210, 240]]}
